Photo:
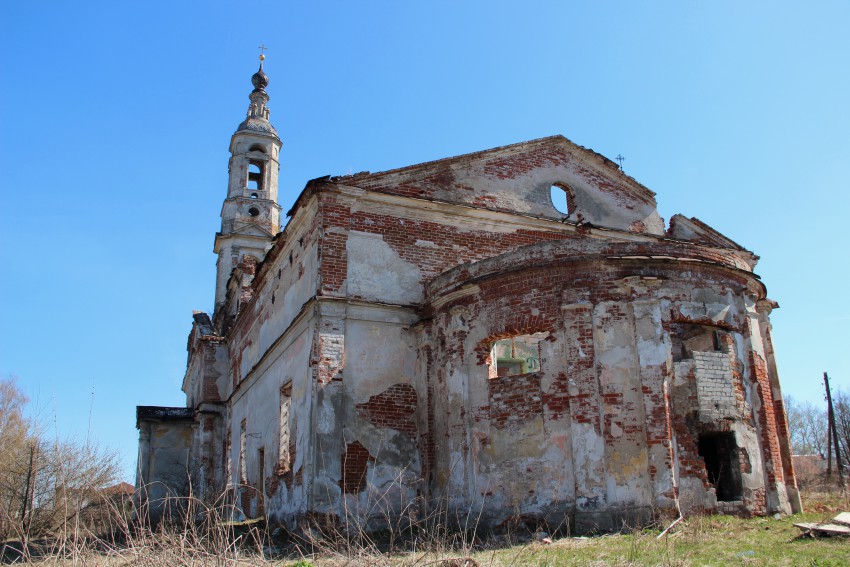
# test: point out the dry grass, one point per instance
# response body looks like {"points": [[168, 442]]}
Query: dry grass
{"points": [[699, 540]]}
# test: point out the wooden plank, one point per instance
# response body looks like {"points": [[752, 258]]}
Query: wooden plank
{"points": [[824, 529], [843, 518]]}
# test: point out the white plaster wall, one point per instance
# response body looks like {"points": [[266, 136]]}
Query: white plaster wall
{"points": [[480, 467], [224, 382], [192, 380], [618, 367], [654, 353], [291, 292], [296, 286], [259, 405], [166, 470], [497, 472], [519, 179], [377, 273], [379, 354]]}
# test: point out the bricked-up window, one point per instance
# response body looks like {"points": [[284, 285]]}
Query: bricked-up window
{"points": [[516, 355], [243, 441], [261, 493], [261, 465], [255, 176], [563, 198], [687, 338], [283, 461], [228, 459], [355, 465]]}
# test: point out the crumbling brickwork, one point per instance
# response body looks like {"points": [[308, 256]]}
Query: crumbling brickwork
{"points": [[394, 408], [442, 335], [514, 399], [355, 464]]}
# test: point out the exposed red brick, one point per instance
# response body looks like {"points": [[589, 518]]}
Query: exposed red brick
{"points": [[355, 462], [514, 399], [394, 408]]}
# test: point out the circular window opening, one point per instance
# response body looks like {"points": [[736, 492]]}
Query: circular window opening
{"points": [[253, 195], [562, 199], [253, 211]]}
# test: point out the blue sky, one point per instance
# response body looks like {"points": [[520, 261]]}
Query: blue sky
{"points": [[115, 119]]}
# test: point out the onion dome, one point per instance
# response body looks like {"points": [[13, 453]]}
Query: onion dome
{"points": [[257, 119], [260, 80]]}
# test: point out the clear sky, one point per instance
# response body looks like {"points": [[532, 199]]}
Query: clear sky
{"points": [[115, 119]]}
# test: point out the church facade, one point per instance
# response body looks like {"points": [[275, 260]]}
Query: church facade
{"points": [[447, 336]]}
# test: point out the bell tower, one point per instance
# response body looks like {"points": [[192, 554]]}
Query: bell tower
{"points": [[250, 215]]}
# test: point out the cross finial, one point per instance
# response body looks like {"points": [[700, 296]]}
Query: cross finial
{"points": [[262, 49], [620, 159]]}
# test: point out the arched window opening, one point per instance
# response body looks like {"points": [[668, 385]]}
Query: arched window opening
{"points": [[254, 196], [253, 211], [563, 199], [255, 176], [257, 148], [517, 355]]}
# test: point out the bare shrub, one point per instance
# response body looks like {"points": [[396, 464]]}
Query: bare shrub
{"points": [[806, 426], [51, 488]]}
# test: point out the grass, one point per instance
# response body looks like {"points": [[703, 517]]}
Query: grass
{"points": [[696, 541], [710, 540]]}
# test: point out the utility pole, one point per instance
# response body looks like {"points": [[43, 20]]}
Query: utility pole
{"points": [[833, 433], [828, 449]]}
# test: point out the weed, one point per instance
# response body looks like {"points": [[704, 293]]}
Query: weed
{"points": [[197, 533]]}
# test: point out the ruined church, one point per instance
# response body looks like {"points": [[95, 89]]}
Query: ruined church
{"points": [[512, 335]]}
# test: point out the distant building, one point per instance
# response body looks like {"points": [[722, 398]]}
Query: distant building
{"points": [[446, 335]]}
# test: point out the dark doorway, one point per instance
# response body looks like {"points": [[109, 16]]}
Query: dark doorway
{"points": [[720, 454]]}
